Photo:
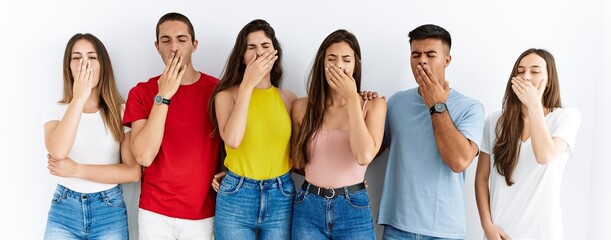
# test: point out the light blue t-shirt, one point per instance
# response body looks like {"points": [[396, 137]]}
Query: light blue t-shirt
{"points": [[421, 193]]}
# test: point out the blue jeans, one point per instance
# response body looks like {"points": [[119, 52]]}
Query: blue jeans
{"points": [[341, 217], [75, 215], [391, 233], [245, 205]]}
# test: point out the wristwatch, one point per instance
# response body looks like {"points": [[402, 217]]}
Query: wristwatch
{"points": [[160, 100], [438, 108]]}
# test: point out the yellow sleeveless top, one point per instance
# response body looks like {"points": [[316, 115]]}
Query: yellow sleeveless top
{"points": [[265, 148]]}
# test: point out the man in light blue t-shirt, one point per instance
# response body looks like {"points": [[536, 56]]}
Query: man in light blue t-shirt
{"points": [[433, 134]]}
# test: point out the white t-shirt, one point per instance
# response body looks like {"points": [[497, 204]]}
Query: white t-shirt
{"points": [[530, 208], [94, 144]]}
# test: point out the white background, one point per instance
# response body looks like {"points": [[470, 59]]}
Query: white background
{"points": [[487, 38]]}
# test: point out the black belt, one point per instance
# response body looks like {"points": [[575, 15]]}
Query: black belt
{"points": [[331, 192]]}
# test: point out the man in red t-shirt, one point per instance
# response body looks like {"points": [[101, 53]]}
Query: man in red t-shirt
{"points": [[171, 137]]}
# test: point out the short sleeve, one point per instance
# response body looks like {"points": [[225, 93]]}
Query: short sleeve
{"points": [[472, 124], [125, 128], [134, 107], [52, 112], [489, 134], [565, 126]]}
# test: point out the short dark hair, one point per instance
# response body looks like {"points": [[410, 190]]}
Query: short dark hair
{"points": [[174, 16], [431, 31]]}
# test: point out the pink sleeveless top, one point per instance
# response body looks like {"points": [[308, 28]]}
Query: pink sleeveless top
{"points": [[331, 163]]}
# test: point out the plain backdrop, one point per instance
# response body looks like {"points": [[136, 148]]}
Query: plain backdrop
{"points": [[487, 38]]}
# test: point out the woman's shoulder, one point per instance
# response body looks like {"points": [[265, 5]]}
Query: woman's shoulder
{"points": [[300, 103], [566, 113], [567, 110], [230, 91], [287, 94], [299, 107]]}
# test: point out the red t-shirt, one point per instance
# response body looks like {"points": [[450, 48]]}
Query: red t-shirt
{"points": [[177, 183]]}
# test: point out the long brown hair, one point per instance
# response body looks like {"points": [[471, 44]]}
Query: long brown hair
{"points": [[319, 91], [110, 100], [235, 67], [510, 124]]}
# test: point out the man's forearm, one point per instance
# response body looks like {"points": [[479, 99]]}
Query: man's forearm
{"points": [[456, 150]]}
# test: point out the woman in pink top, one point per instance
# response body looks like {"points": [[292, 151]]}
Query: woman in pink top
{"points": [[335, 136]]}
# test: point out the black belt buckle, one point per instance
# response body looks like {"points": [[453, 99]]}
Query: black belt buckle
{"points": [[325, 192]]}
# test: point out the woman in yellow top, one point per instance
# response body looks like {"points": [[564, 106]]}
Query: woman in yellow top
{"points": [[252, 116]]}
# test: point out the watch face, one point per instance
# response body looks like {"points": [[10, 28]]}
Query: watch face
{"points": [[440, 107], [158, 99]]}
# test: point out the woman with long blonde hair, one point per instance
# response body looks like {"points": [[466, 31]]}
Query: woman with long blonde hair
{"points": [[88, 148]]}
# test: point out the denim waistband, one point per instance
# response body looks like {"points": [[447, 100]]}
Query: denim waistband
{"points": [[66, 192], [270, 183]]}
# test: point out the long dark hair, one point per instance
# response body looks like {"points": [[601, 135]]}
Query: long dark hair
{"points": [[510, 124], [319, 90], [110, 100], [235, 67]]}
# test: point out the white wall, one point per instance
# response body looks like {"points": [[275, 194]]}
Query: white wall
{"points": [[600, 209], [487, 37]]}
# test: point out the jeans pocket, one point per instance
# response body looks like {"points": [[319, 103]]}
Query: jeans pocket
{"points": [[114, 200], [229, 185], [359, 199], [300, 197], [57, 197], [288, 188]]}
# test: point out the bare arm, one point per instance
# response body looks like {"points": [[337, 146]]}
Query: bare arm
{"points": [[126, 171], [148, 133], [288, 98], [366, 133], [232, 112], [545, 147], [482, 190], [456, 150], [297, 112], [60, 135], [482, 196]]}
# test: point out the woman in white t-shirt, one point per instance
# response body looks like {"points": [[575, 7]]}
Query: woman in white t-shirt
{"points": [[88, 148], [524, 152]]}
